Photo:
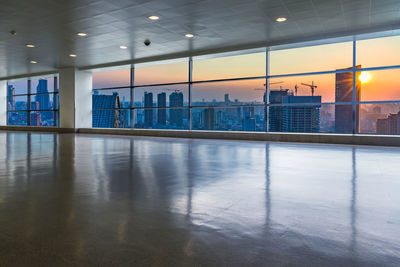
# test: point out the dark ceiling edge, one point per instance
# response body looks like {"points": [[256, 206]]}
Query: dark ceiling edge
{"points": [[19, 76], [227, 49]]}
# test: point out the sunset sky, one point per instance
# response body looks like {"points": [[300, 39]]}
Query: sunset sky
{"points": [[383, 85]]}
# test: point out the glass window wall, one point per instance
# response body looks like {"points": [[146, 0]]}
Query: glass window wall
{"points": [[33, 101], [344, 87]]}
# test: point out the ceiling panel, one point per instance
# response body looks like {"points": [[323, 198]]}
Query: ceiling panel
{"points": [[218, 24]]}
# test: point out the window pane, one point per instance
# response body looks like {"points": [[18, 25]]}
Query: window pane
{"points": [[17, 103], [325, 118], [42, 118], [378, 52], [248, 65], [311, 59], [229, 119], [113, 98], [111, 118], [327, 88], [112, 78], [380, 118], [229, 93], [162, 118], [42, 85], [382, 85], [18, 118], [42, 102], [162, 73], [162, 96], [17, 87]]}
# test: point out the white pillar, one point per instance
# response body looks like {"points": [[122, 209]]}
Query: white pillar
{"points": [[3, 103], [75, 98]]}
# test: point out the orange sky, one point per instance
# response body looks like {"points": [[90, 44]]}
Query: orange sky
{"points": [[384, 85]]}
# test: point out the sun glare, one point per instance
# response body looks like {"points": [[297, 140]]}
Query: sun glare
{"points": [[364, 77]]}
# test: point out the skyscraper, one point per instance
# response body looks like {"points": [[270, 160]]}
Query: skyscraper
{"points": [[43, 97], [148, 113], [176, 114], [344, 93], [161, 112]]}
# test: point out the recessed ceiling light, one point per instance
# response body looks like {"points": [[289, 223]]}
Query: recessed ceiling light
{"points": [[189, 35], [82, 34], [72, 55], [154, 17], [123, 47], [281, 19], [33, 62], [30, 45]]}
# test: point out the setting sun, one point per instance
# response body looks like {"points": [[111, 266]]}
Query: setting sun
{"points": [[364, 77]]}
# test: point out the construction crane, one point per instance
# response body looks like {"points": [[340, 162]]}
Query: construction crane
{"points": [[312, 86], [266, 85], [296, 87]]}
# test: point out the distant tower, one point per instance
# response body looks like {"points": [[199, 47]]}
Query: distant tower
{"points": [[344, 93], [11, 98], [43, 98], [176, 114], [226, 97], [148, 112], [161, 112]]}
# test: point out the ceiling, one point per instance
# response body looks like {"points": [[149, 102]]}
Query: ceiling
{"points": [[218, 25]]}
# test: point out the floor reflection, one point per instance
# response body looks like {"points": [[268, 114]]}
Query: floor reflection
{"points": [[91, 200]]}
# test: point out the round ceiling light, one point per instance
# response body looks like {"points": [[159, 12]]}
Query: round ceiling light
{"points": [[30, 45], [281, 19], [123, 47], [154, 17], [72, 55], [189, 35], [81, 34], [33, 62]]}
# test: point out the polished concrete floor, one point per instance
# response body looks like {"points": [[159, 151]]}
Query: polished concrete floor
{"points": [[92, 200]]}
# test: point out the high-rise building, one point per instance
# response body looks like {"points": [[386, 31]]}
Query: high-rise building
{"points": [[390, 125], [161, 112], [43, 97], [105, 111], [344, 93], [148, 112], [226, 99], [11, 97], [249, 123], [176, 114], [294, 117], [209, 118]]}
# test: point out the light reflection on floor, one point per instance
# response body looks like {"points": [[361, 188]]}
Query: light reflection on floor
{"points": [[106, 200]]}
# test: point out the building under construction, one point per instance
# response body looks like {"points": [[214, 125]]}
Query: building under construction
{"points": [[292, 113]]}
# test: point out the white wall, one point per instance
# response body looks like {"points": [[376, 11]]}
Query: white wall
{"points": [[3, 102], [75, 98]]}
